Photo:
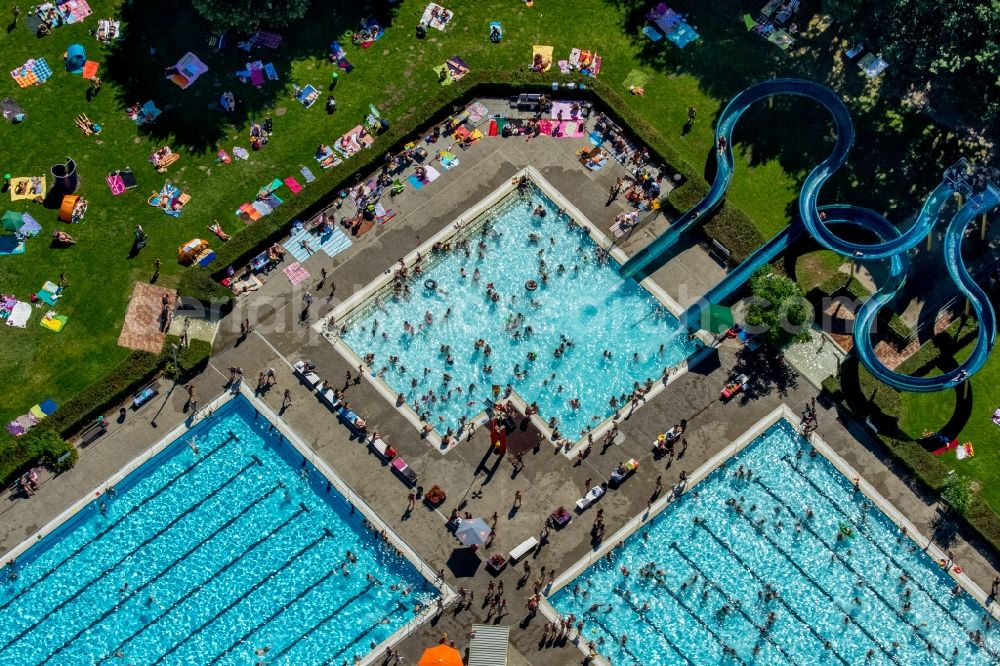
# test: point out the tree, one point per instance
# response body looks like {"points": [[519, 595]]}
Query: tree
{"points": [[779, 307], [949, 51], [241, 13]]}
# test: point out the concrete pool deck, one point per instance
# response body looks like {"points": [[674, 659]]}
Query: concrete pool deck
{"points": [[474, 481]]}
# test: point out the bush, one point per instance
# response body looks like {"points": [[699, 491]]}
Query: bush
{"points": [[191, 359], [735, 231], [831, 386], [957, 493], [40, 444], [778, 306], [683, 198]]}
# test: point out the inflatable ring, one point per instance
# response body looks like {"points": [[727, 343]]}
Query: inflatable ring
{"points": [[531, 285], [348, 34], [430, 284]]}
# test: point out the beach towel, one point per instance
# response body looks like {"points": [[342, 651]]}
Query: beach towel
{"points": [[240, 153], [30, 226], [652, 33], [293, 185], [30, 187], [944, 449], [457, 67], [295, 273], [270, 40], [54, 323], [257, 76], [116, 183], [996, 416], [636, 78], [272, 73], [566, 109], [545, 52], [11, 245], [19, 315], [32, 73], [496, 32], [476, 112], [564, 67], [90, 69], [436, 16], [443, 75], [448, 160], [493, 129], [307, 174], [308, 96], [684, 34]]}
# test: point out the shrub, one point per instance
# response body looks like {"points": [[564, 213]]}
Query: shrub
{"points": [[191, 360], [40, 444], [831, 386], [735, 231], [957, 493], [198, 283], [683, 198]]}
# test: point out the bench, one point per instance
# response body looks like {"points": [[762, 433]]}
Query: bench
{"points": [[310, 378], [404, 471], [145, 394], [719, 252], [523, 549], [383, 450], [92, 432]]}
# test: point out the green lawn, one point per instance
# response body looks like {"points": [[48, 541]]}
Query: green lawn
{"points": [[968, 417], [779, 144]]}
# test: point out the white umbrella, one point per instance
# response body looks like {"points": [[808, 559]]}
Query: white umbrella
{"points": [[473, 532]]}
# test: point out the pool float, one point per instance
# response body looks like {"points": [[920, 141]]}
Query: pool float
{"points": [[531, 285], [430, 284], [846, 530]]}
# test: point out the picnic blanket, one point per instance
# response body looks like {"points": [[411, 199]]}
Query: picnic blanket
{"points": [[12, 111], [27, 187], [432, 175], [54, 322], [295, 273], [333, 242], [11, 245], [545, 52], [352, 142], [19, 315], [436, 16], [682, 35], [448, 160], [32, 73], [652, 33], [872, 65], [636, 78]]}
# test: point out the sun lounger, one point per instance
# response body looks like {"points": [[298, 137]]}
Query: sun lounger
{"points": [[308, 376], [523, 549], [404, 471], [594, 494], [619, 475], [383, 450], [329, 396], [145, 394]]}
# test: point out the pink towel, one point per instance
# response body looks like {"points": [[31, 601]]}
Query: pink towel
{"points": [[293, 185], [257, 77], [295, 273], [116, 184]]}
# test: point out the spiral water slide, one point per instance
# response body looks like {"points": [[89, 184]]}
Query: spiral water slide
{"points": [[893, 243]]}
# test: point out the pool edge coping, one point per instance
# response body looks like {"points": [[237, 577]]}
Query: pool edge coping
{"points": [[782, 412], [434, 439]]}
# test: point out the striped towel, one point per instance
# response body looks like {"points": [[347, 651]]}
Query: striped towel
{"points": [[295, 273], [262, 207]]}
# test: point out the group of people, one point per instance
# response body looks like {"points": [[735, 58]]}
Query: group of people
{"points": [[28, 482]]}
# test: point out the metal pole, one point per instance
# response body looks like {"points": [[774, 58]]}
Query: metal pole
{"points": [[930, 239], [982, 228]]}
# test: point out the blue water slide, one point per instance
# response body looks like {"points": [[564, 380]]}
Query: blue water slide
{"points": [[892, 244]]}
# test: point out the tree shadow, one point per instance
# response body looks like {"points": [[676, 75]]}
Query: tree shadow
{"points": [[193, 118], [766, 371], [899, 152]]}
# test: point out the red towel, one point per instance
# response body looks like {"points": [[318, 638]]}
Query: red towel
{"points": [[944, 449], [493, 128], [293, 185]]}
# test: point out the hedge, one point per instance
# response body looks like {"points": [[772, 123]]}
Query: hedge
{"points": [[735, 231], [37, 445]]}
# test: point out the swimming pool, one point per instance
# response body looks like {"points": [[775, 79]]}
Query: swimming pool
{"points": [[225, 543], [759, 536], [579, 338]]}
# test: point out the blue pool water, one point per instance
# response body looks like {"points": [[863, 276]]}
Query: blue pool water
{"points": [[585, 301], [820, 580], [205, 558]]}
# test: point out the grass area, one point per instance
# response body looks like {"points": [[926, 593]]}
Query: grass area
{"points": [[814, 268], [396, 75], [967, 417]]}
